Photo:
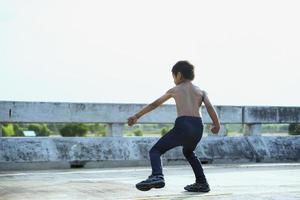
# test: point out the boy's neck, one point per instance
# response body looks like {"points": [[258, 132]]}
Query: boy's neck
{"points": [[184, 81]]}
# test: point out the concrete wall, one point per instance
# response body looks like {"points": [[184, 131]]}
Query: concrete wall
{"points": [[38, 153], [42, 153]]}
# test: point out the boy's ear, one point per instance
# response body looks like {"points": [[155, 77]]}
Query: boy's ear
{"points": [[179, 75]]}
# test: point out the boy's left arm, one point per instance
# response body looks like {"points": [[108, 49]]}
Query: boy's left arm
{"points": [[133, 119]]}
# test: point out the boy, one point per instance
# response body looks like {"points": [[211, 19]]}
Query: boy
{"points": [[187, 131]]}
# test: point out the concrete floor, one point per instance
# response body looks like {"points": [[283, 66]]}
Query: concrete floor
{"points": [[252, 181]]}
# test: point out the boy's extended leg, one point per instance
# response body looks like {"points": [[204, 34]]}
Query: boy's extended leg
{"points": [[165, 143], [168, 141]]}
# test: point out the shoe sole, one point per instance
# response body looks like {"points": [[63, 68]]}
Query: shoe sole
{"points": [[197, 190], [150, 186]]}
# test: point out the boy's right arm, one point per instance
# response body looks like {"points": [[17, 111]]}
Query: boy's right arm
{"points": [[133, 119], [212, 113]]}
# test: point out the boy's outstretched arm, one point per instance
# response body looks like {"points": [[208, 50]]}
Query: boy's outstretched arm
{"points": [[133, 119], [212, 113]]}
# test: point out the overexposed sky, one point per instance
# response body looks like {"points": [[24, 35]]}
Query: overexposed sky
{"points": [[244, 52]]}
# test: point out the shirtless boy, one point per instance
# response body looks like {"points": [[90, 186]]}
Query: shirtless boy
{"points": [[187, 131]]}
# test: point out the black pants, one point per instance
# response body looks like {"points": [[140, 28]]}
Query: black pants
{"points": [[187, 132]]}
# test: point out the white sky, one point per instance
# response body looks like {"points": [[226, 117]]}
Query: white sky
{"points": [[122, 51]]}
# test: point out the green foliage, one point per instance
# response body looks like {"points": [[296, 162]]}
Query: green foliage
{"points": [[129, 134], [18, 130], [294, 129], [39, 129], [97, 129], [138, 132], [234, 128], [164, 130], [8, 130], [55, 127], [274, 128], [74, 129], [12, 130]]}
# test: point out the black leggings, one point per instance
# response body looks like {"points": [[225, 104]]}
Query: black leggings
{"points": [[187, 132]]}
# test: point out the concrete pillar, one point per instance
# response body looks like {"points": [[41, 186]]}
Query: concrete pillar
{"points": [[222, 131], [252, 129], [115, 129], [0, 130]]}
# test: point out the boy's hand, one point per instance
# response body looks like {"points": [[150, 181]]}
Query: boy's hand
{"points": [[215, 129], [132, 120]]}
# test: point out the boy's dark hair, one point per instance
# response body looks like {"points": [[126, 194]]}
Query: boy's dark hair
{"points": [[185, 68]]}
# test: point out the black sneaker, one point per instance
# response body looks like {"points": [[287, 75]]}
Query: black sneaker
{"points": [[197, 187], [153, 181]]}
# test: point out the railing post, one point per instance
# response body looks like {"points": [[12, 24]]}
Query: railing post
{"points": [[253, 129], [0, 130], [115, 129]]}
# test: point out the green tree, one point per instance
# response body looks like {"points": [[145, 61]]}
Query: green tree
{"points": [[164, 130], [8, 130], [294, 129], [18, 130], [73, 130], [138, 132], [97, 129], [39, 129]]}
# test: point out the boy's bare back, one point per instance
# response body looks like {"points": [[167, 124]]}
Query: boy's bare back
{"points": [[188, 98]]}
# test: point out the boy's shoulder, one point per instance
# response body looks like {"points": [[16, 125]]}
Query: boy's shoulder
{"points": [[173, 89], [178, 88]]}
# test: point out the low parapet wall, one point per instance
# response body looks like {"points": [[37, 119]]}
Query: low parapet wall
{"points": [[115, 115], [45, 153]]}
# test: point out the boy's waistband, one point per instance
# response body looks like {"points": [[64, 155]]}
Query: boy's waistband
{"points": [[188, 117]]}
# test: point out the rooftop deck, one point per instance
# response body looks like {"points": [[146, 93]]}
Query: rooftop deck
{"points": [[239, 181]]}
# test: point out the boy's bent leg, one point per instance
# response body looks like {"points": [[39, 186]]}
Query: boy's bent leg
{"points": [[201, 184], [165, 143], [195, 163]]}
